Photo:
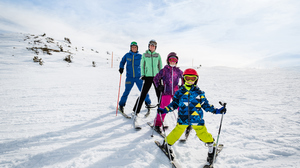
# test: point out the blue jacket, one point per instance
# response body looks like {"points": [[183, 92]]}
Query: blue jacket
{"points": [[196, 101], [133, 69]]}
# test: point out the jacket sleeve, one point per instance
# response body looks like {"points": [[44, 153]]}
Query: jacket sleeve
{"points": [[175, 102], [205, 104], [159, 62], [157, 77], [143, 65], [123, 61]]}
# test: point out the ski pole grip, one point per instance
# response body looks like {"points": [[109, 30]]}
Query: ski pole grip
{"points": [[222, 104]]}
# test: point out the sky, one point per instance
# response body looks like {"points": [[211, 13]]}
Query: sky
{"points": [[231, 33]]}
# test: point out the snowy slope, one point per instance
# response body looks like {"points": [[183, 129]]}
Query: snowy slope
{"points": [[64, 114]]}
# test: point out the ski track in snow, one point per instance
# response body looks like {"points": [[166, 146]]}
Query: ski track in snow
{"points": [[64, 115]]}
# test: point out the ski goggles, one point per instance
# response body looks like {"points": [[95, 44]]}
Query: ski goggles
{"points": [[192, 78], [153, 43], [172, 59], [133, 43]]}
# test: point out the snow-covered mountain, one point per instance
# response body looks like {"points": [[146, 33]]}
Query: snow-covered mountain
{"points": [[62, 114]]}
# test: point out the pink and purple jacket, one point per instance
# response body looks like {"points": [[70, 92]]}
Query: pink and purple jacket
{"points": [[170, 77]]}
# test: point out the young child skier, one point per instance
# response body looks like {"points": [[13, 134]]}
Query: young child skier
{"points": [[167, 82], [190, 100]]}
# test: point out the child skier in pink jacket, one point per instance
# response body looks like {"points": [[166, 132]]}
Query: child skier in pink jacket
{"points": [[167, 82]]}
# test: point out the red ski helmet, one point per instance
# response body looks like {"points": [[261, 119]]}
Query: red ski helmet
{"points": [[172, 55], [190, 71]]}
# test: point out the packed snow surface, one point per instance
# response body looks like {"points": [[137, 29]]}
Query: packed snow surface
{"points": [[63, 114]]}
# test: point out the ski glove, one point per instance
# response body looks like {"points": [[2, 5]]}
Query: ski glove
{"points": [[161, 88], [162, 111], [221, 110], [121, 70], [143, 77]]}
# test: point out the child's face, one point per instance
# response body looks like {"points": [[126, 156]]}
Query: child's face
{"points": [[190, 79], [172, 64]]}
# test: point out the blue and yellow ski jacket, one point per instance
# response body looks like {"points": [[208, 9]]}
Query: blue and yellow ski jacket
{"points": [[190, 103], [133, 68]]}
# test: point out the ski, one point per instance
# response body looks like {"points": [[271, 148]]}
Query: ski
{"points": [[160, 133], [185, 138], [174, 163], [219, 149], [187, 133], [125, 115]]}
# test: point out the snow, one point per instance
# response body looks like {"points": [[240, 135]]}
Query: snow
{"points": [[64, 114]]}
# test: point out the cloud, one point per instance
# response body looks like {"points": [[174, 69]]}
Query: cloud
{"points": [[210, 32]]}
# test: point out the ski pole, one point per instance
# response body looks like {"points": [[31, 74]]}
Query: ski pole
{"points": [[215, 152], [165, 140], [158, 106], [118, 94]]}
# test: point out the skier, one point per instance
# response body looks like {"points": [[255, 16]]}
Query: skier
{"points": [[169, 76], [190, 100], [133, 74], [151, 64]]}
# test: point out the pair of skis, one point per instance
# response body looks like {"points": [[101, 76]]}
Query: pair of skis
{"points": [[217, 149], [174, 162]]}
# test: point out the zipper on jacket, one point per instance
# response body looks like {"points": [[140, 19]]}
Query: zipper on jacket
{"points": [[189, 118], [152, 65], [172, 83], [133, 65]]}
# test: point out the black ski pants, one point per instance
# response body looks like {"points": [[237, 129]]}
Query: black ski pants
{"points": [[148, 81]]}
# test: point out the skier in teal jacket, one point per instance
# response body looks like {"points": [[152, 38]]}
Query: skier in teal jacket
{"points": [[151, 64]]}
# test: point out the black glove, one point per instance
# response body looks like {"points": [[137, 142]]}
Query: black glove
{"points": [[143, 77], [161, 88], [121, 70]]}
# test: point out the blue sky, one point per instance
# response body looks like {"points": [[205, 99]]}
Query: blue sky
{"points": [[207, 32]]}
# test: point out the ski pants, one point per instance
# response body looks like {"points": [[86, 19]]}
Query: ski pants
{"points": [[165, 101], [201, 132], [128, 86], [145, 89]]}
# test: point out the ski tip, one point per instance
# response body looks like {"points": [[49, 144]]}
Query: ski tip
{"points": [[157, 143], [138, 128], [182, 140]]}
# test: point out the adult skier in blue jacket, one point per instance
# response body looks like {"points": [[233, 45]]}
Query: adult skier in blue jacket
{"points": [[133, 74]]}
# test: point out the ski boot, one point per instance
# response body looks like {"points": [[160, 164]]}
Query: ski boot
{"points": [[121, 109], [211, 152], [148, 107], [157, 129], [168, 149]]}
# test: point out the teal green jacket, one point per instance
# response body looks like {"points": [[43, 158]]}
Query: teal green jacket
{"points": [[151, 64]]}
